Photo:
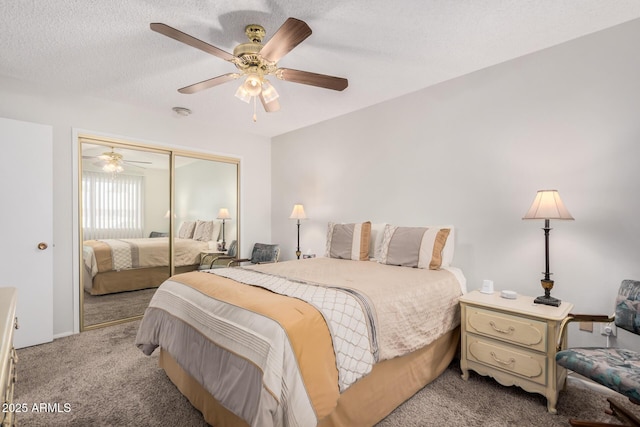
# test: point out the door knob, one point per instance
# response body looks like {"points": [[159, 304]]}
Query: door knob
{"points": [[42, 246]]}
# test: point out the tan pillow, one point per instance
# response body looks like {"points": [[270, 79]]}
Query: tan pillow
{"points": [[349, 241], [419, 247]]}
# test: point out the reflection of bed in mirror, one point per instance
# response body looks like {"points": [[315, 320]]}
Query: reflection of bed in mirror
{"points": [[120, 265]]}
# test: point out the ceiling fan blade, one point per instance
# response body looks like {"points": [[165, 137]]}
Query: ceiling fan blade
{"points": [[288, 36], [137, 161], [206, 84], [131, 163], [190, 40], [313, 79], [271, 106]]}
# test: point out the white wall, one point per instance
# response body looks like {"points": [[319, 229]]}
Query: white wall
{"points": [[201, 189], [67, 112], [156, 200], [473, 151]]}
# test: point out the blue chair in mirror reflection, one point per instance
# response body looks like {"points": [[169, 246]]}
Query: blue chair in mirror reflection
{"points": [[615, 368]]}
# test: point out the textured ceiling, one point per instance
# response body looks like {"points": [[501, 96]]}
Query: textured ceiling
{"points": [[105, 49]]}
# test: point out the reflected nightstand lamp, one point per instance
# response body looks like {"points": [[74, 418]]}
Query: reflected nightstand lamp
{"points": [[547, 205], [298, 214], [223, 214]]}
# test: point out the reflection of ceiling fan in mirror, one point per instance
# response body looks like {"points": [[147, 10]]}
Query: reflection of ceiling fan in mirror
{"points": [[256, 61], [113, 162]]}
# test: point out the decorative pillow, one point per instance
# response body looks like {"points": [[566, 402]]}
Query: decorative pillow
{"points": [[420, 247], [203, 230], [158, 234], [377, 232], [349, 241], [186, 230]]}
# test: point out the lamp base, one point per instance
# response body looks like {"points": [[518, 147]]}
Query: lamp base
{"points": [[548, 300]]}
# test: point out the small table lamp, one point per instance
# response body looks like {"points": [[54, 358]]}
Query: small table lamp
{"points": [[547, 205], [298, 214], [223, 214]]}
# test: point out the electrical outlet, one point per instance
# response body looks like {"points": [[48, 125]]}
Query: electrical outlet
{"points": [[608, 329]]}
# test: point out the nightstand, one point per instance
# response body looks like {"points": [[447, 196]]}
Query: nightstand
{"points": [[513, 341]]}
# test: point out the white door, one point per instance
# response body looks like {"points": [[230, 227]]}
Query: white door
{"points": [[26, 215]]}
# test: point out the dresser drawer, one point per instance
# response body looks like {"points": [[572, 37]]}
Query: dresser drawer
{"points": [[529, 365], [516, 330]]}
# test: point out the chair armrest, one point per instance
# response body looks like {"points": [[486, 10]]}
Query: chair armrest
{"points": [[598, 318], [237, 261]]}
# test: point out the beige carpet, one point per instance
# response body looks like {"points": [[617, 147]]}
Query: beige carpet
{"points": [[104, 380], [110, 307]]}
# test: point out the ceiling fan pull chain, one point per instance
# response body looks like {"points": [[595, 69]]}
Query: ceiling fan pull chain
{"points": [[255, 116]]}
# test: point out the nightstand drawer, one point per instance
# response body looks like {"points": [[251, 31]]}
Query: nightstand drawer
{"points": [[522, 363], [517, 330]]}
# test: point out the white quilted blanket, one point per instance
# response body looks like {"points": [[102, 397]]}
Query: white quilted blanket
{"points": [[346, 313]]}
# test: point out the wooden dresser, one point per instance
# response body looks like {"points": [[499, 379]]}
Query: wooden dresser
{"points": [[8, 356], [514, 341]]}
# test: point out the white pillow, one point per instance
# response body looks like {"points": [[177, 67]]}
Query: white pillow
{"points": [[186, 230], [377, 233], [203, 231]]}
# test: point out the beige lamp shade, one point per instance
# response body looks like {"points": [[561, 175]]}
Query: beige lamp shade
{"points": [[547, 205], [223, 213], [298, 212]]}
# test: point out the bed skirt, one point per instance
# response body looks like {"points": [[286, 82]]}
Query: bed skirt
{"points": [[110, 282], [365, 403]]}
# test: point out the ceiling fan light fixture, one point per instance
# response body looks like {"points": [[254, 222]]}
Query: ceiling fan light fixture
{"points": [[269, 93], [253, 84], [242, 94], [112, 167]]}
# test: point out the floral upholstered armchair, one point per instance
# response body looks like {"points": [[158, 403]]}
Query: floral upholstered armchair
{"points": [[615, 368]]}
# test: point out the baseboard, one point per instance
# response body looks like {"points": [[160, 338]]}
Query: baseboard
{"points": [[63, 334]]}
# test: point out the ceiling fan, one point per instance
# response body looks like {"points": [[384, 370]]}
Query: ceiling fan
{"points": [[113, 162], [255, 61]]}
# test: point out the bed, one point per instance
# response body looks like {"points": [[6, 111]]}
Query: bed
{"points": [[120, 265], [330, 341]]}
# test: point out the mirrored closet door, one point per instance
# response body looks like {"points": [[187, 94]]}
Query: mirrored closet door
{"points": [[131, 198]]}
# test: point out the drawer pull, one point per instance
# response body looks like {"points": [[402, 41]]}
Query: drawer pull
{"points": [[509, 362], [507, 331]]}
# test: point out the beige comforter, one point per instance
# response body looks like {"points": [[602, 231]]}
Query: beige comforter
{"points": [[123, 254], [413, 307]]}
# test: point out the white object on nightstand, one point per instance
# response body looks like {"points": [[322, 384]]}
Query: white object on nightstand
{"points": [[509, 294], [487, 287], [514, 341]]}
